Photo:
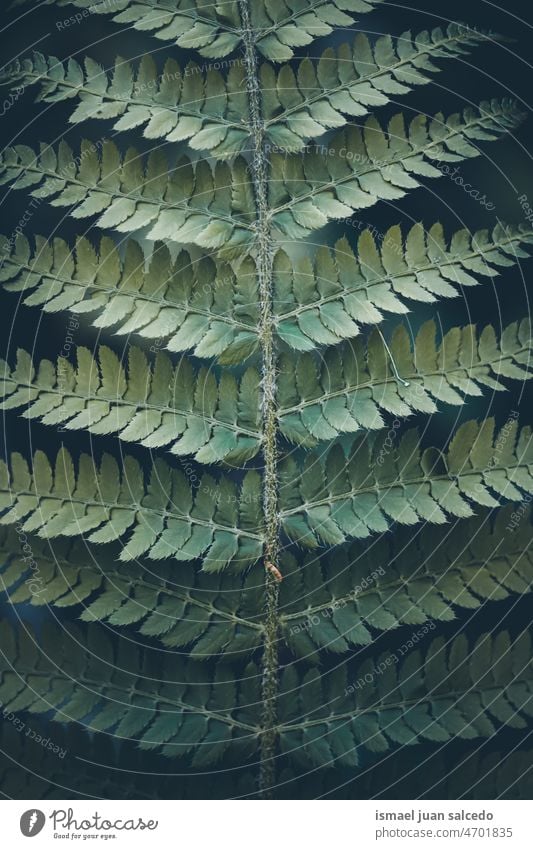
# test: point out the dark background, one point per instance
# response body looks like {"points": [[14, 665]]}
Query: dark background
{"points": [[503, 173]]}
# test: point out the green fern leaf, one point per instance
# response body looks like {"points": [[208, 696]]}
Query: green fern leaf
{"points": [[339, 601], [172, 715], [40, 772], [193, 304], [210, 28], [404, 698], [177, 104], [128, 194], [93, 768], [353, 80], [155, 406], [350, 386], [218, 522], [379, 484], [362, 166], [283, 27], [322, 302]]}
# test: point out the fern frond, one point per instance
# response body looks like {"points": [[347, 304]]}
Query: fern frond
{"points": [[187, 204], [205, 108], [215, 308], [348, 387], [353, 80], [211, 28], [282, 27], [211, 111], [403, 698], [331, 603], [178, 573], [362, 166], [322, 302], [180, 707], [339, 601], [208, 613], [218, 522], [191, 302], [342, 499], [215, 29], [157, 405]]}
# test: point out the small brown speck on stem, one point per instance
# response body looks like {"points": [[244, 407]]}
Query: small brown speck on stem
{"points": [[274, 570]]}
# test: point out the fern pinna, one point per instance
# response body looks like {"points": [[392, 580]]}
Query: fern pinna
{"points": [[238, 573]]}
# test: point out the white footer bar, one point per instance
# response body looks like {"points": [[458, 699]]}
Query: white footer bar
{"points": [[267, 825]]}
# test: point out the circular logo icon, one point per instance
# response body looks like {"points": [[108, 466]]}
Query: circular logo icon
{"points": [[32, 822]]}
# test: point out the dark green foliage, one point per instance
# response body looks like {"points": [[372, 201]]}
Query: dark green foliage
{"points": [[192, 713], [132, 192], [324, 719], [262, 357], [451, 690], [403, 579], [324, 298]]}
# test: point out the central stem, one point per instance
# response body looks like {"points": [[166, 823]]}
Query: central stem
{"points": [[264, 259]]}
